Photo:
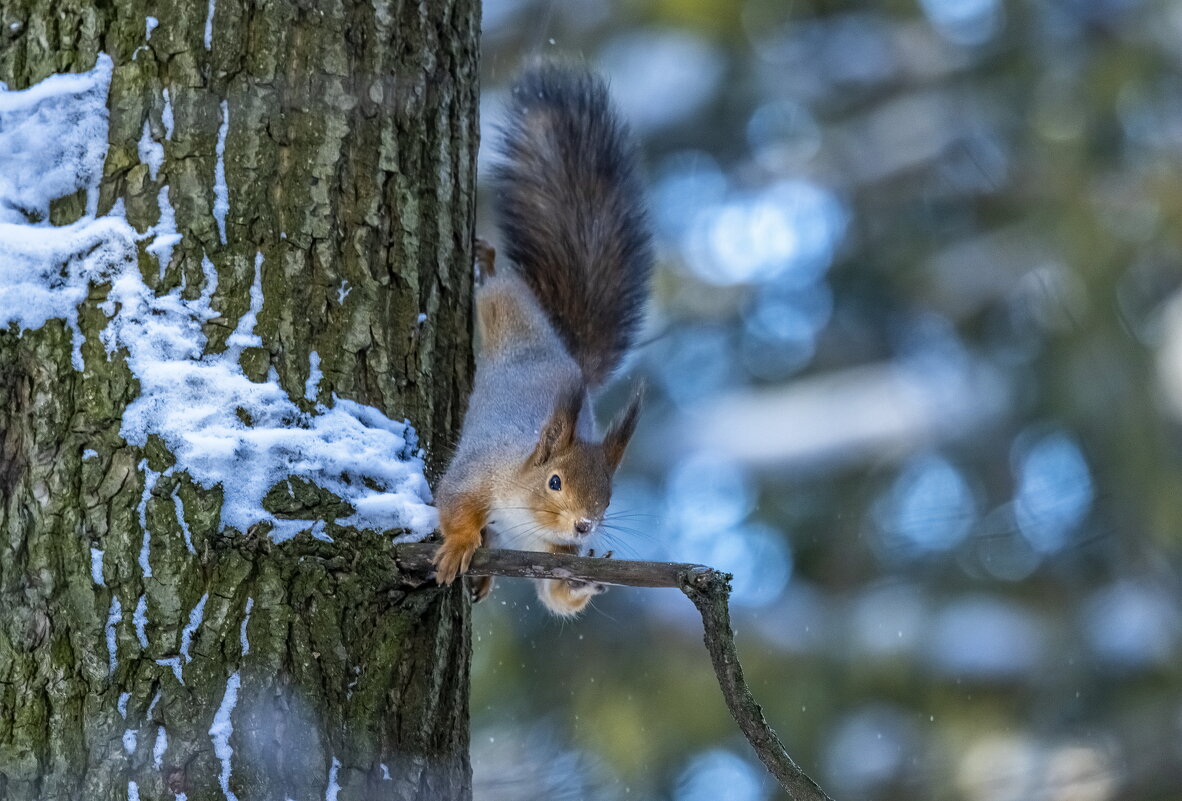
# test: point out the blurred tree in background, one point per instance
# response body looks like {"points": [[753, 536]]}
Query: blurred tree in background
{"points": [[916, 355]]}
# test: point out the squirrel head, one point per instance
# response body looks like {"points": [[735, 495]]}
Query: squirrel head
{"points": [[569, 480]]}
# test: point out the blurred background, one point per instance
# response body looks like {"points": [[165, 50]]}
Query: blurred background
{"points": [[915, 368]]}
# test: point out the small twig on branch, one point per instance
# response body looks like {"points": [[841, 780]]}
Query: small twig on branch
{"points": [[709, 590]]}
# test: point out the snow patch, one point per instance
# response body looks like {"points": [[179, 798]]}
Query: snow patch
{"points": [[129, 738], [160, 746], [318, 531], [46, 271], [140, 619], [209, 25], [173, 662], [312, 385], [222, 428], [193, 402], [122, 704], [53, 140], [150, 24], [220, 733], [330, 792], [244, 336], [245, 621], [385, 772], [180, 519], [189, 630], [96, 566], [221, 193], [150, 479], [166, 116], [133, 791], [151, 151], [89, 453], [113, 618], [343, 292], [165, 236]]}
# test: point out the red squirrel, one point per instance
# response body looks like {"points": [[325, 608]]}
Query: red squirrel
{"points": [[530, 471]]}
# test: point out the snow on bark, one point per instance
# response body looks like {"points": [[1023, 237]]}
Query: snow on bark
{"points": [[222, 428], [245, 623], [140, 620], [221, 193], [113, 618], [194, 622], [220, 733]]}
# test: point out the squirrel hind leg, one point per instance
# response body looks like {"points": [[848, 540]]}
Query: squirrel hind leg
{"points": [[567, 597]]}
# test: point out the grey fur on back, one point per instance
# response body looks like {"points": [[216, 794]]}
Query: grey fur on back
{"points": [[572, 213], [519, 373]]}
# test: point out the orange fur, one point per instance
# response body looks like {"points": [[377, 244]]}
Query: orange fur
{"points": [[461, 520], [567, 597]]}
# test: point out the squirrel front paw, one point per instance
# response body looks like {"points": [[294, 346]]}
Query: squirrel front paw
{"points": [[453, 558]]}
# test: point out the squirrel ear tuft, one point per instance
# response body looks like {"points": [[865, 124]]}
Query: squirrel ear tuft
{"points": [[615, 442], [559, 432]]}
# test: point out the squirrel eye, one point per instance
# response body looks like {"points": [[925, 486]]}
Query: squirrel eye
{"points": [[555, 483]]}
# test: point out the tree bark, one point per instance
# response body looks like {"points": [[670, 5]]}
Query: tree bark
{"points": [[349, 153]]}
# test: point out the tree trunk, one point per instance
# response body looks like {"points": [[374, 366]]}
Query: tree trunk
{"points": [[212, 660]]}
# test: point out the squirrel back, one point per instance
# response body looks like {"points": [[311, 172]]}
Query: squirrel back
{"points": [[572, 216]]}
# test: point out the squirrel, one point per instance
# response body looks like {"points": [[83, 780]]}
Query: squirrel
{"points": [[530, 471]]}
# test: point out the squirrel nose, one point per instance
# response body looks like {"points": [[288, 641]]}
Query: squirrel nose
{"points": [[583, 526]]}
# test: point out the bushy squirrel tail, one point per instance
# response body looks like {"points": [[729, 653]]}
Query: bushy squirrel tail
{"points": [[572, 213]]}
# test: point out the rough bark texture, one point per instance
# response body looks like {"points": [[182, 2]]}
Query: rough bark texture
{"points": [[350, 157]]}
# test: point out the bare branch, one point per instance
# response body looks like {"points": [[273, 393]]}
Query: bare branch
{"points": [[709, 590], [416, 558]]}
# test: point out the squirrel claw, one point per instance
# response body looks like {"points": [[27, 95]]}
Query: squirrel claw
{"points": [[452, 559], [479, 588], [486, 260]]}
